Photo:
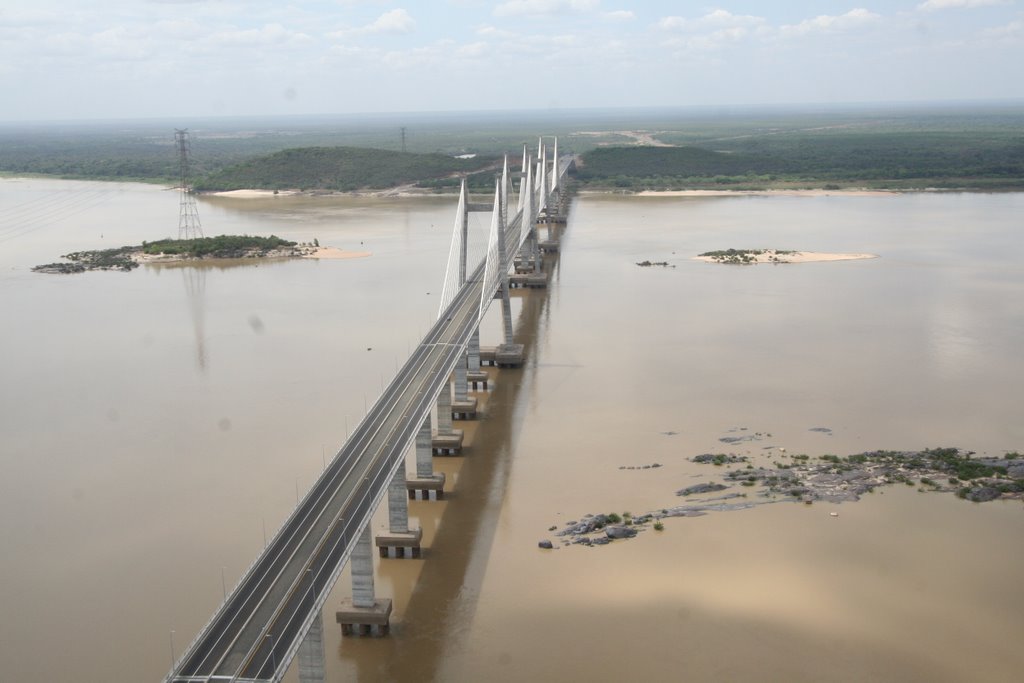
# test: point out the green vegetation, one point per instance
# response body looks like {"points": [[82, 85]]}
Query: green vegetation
{"points": [[613, 518], [339, 169], [719, 459], [976, 147], [222, 246], [936, 469], [126, 258], [103, 259], [836, 159], [658, 526], [960, 465], [744, 256]]}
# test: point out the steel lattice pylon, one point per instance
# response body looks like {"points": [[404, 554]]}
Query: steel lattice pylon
{"points": [[188, 217]]}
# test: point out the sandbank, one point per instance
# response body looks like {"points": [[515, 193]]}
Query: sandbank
{"points": [[253, 194], [772, 256], [334, 253]]}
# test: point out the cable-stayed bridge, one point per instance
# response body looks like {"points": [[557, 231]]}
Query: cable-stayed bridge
{"points": [[274, 612]]}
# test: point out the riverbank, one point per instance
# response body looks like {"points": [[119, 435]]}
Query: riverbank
{"points": [[780, 192], [414, 191], [299, 251], [398, 191]]}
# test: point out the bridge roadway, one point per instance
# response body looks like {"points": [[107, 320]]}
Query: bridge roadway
{"points": [[257, 630]]}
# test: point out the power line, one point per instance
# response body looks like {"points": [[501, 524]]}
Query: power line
{"points": [[53, 213]]}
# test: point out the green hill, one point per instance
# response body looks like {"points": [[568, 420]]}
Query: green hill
{"points": [[339, 169]]}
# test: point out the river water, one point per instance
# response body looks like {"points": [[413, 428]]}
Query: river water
{"points": [[157, 424]]}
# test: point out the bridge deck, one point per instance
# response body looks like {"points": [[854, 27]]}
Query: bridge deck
{"points": [[257, 630]]}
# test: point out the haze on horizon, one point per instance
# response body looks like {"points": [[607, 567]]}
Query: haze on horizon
{"points": [[115, 59]]}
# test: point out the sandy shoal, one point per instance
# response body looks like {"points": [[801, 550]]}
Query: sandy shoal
{"points": [[335, 253], [796, 257], [253, 194]]}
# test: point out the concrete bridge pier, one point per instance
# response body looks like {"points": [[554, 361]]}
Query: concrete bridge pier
{"points": [[447, 441], [538, 261], [529, 265], [427, 484], [464, 405], [400, 541], [363, 613], [509, 354], [474, 375], [312, 665]]}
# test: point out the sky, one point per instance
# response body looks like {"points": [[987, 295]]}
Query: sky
{"points": [[103, 59]]}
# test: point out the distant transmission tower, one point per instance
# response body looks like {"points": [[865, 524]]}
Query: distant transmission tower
{"points": [[188, 217], [403, 138]]}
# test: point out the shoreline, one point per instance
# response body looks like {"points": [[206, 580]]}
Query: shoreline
{"points": [[401, 192], [329, 253], [410, 192], [814, 192]]}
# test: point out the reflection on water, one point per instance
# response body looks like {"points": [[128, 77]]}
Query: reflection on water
{"points": [[195, 290], [131, 474], [194, 277]]}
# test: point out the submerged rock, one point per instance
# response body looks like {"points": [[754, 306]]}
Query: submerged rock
{"points": [[983, 494], [719, 458], [620, 532], [701, 488]]}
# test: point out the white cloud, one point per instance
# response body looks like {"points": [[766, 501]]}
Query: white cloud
{"points": [[472, 50], [1008, 32], [716, 19], [932, 5], [710, 42], [23, 17], [419, 57], [270, 34], [493, 32], [825, 23], [619, 15], [393, 21], [513, 8]]}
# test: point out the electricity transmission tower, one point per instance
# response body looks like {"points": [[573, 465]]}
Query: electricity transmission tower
{"points": [[188, 217], [403, 139]]}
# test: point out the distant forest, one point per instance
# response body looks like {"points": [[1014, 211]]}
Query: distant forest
{"points": [[341, 169], [626, 150], [885, 159]]}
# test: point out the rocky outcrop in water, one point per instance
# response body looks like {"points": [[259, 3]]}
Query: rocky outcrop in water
{"points": [[701, 488], [826, 478]]}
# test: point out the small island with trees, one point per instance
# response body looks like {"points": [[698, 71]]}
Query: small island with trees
{"points": [[200, 248]]}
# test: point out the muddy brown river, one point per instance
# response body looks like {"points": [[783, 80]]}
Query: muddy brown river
{"points": [[154, 425]]}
